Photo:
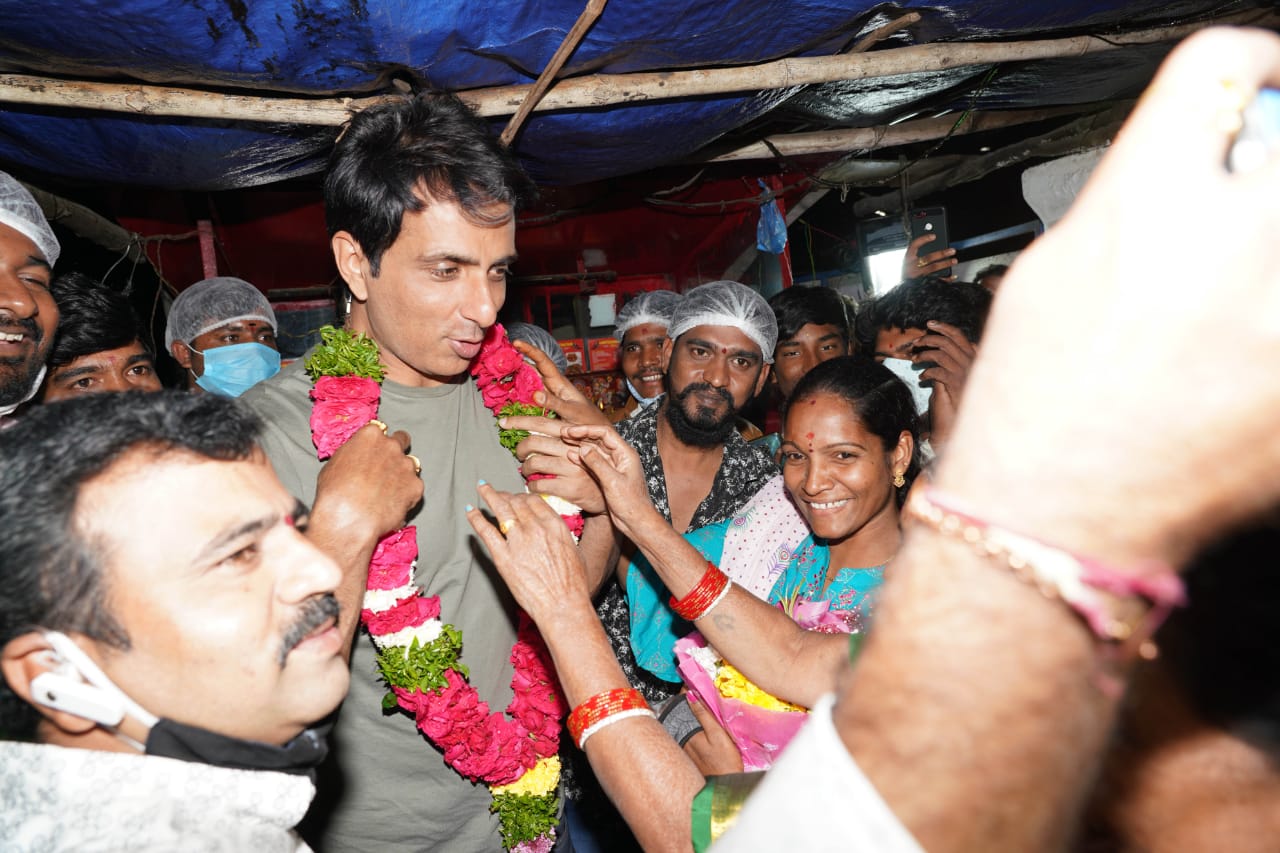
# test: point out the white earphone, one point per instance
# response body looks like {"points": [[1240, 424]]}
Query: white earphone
{"points": [[64, 693], [77, 686]]}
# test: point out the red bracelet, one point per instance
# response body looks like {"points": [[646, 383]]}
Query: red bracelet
{"points": [[604, 708], [711, 588]]}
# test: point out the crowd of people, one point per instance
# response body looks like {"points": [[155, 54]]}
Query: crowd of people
{"points": [[928, 613]]}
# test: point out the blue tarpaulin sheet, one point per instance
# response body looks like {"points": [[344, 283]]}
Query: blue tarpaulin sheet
{"points": [[352, 47]]}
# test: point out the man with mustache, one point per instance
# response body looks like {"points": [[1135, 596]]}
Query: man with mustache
{"points": [[28, 314], [163, 658]]}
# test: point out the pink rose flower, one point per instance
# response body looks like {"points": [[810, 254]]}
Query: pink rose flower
{"points": [[503, 361], [407, 613], [495, 395], [343, 404], [393, 558], [527, 381], [494, 337], [447, 713]]}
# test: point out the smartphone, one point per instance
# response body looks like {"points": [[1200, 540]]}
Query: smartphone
{"points": [[929, 220]]}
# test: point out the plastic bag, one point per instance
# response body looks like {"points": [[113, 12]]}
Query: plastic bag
{"points": [[771, 232], [759, 733]]}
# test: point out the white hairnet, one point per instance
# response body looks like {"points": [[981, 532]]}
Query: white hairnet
{"points": [[727, 303], [20, 212], [540, 338], [654, 306], [214, 302]]}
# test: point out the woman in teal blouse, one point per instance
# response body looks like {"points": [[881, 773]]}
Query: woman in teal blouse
{"points": [[848, 458]]}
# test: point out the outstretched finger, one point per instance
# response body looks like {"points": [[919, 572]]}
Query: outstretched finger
{"points": [[557, 385], [499, 503]]}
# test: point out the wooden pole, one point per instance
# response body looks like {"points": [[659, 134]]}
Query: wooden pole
{"points": [[591, 91], [548, 75], [601, 91], [850, 139]]}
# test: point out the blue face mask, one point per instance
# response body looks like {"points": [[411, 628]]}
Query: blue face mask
{"points": [[232, 370]]}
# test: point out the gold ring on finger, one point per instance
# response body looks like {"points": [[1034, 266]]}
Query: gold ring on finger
{"points": [[417, 463], [504, 527]]}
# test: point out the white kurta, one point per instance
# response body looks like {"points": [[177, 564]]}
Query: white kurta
{"points": [[57, 799]]}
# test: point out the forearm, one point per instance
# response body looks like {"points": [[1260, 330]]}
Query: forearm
{"points": [[984, 689], [599, 549], [760, 640], [641, 768]]}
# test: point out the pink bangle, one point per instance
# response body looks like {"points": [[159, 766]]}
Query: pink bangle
{"points": [[1122, 607]]}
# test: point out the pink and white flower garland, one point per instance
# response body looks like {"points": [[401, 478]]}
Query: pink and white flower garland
{"points": [[418, 653]]}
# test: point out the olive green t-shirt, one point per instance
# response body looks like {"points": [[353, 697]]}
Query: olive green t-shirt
{"points": [[384, 786]]}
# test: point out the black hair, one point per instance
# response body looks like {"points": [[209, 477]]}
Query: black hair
{"points": [[393, 153], [880, 400], [796, 307], [1224, 646], [91, 318], [50, 572], [912, 304], [993, 269]]}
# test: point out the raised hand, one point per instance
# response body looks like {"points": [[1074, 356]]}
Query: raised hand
{"points": [[915, 265]]}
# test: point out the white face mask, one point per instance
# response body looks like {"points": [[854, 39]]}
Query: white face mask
{"points": [[909, 372], [643, 401]]}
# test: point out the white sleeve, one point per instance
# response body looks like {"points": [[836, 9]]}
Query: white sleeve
{"points": [[816, 799]]}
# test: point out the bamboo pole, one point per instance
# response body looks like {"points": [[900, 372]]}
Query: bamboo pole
{"points": [[601, 91], [849, 139], [588, 92], [548, 75], [89, 224]]}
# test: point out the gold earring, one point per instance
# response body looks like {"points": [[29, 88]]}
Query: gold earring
{"points": [[898, 480]]}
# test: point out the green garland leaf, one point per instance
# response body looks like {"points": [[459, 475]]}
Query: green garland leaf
{"points": [[342, 353], [523, 817], [511, 437], [423, 667]]}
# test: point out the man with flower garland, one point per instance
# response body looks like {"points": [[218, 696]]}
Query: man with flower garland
{"points": [[420, 204], [160, 679]]}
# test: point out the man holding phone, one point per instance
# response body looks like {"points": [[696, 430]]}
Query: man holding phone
{"points": [[935, 325]]}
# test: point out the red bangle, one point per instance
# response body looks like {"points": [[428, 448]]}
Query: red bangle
{"points": [[586, 719], [710, 589]]}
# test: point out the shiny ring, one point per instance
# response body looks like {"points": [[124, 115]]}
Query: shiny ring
{"points": [[504, 527], [417, 463], [380, 425], [920, 262]]}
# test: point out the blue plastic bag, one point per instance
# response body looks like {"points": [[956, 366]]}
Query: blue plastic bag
{"points": [[771, 232]]}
